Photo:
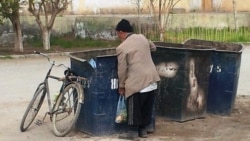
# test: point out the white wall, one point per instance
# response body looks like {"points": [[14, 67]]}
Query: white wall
{"points": [[195, 4], [96, 5]]}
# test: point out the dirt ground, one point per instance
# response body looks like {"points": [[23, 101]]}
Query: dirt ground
{"points": [[235, 127], [212, 127]]}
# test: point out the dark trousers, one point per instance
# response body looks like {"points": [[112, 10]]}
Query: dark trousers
{"points": [[139, 108]]}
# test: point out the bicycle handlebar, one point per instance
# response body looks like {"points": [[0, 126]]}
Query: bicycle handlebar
{"points": [[51, 62], [69, 75]]}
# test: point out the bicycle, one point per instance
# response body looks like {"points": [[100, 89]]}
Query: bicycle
{"points": [[65, 111]]}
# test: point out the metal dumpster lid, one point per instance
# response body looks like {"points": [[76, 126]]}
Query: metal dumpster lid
{"points": [[88, 54], [219, 46], [177, 46], [76, 58]]}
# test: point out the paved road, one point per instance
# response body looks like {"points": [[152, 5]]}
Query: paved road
{"points": [[244, 79], [19, 78]]}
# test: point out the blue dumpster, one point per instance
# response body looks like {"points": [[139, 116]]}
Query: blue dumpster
{"points": [[184, 72], [98, 112], [97, 115], [223, 83]]}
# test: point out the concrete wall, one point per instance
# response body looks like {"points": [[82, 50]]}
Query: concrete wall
{"points": [[102, 27], [65, 24]]}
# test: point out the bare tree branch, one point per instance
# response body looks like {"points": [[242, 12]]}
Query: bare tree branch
{"points": [[165, 7], [48, 10]]}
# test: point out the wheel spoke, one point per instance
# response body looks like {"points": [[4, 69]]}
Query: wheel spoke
{"points": [[67, 110], [33, 108]]}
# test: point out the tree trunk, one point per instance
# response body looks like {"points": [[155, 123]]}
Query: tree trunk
{"points": [[162, 36], [162, 27], [18, 38], [235, 15], [139, 15], [46, 38]]}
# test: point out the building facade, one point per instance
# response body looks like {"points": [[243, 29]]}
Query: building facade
{"points": [[130, 6]]}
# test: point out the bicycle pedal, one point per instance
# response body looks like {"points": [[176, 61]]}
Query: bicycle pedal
{"points": [[38, 122]]}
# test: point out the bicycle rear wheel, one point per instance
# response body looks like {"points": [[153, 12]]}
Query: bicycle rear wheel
{"points": [[67, 109], [33, 108]]}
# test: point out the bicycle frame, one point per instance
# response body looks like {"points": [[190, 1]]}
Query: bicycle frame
{"points": [[45, 83]]}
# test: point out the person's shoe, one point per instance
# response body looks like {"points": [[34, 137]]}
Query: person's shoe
{"points": [[130, 135], [142, 132], [150, 130]]}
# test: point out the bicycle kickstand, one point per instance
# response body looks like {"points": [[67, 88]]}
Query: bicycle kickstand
{"points": [[40, 122]]}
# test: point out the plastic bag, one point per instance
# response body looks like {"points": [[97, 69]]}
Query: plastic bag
{"points": [[92, 63], [121, 112]]}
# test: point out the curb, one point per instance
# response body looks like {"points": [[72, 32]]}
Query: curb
{"points": [[33, 55]]}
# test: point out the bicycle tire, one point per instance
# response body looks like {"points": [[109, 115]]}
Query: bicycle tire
{"points": [[67, 109], [33, 107]]}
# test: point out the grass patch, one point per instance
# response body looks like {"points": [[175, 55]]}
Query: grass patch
{"points": [[6, 57], [222, 35], [177, 35], [69, 42]]}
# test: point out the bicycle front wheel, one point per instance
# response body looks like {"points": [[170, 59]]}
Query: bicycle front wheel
{"points": [[33, 108], [67, 109]]}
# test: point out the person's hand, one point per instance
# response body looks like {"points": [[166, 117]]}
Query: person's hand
{"points": [[152, 46], [121, 91]]}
